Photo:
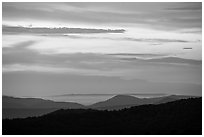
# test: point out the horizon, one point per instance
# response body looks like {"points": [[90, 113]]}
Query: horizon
{"points": [[90, 99]]}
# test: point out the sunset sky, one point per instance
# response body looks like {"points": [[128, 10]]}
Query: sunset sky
{"points": [[159, 51]]}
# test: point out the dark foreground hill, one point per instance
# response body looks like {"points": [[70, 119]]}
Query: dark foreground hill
{"points": [[177, 117]]}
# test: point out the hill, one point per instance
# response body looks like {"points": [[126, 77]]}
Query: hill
{"points": [[24, 107], [126, 101], [178, 117], [28, 107]]}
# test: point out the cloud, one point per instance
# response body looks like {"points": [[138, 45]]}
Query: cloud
{"points": [[188, 6], [19, 46], [38, 30], [157, 40], [149, 40], [43, 64], [176, 60], [107, 13], [28, 72], [126, 66], [195, 31], [20, 53], [156, 58], [21, 58], [138, 55]]}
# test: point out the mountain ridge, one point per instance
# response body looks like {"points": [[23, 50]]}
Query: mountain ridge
{"points": [[180, 117], [127, 101], [24, 107]]}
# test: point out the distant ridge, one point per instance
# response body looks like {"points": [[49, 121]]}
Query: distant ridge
{"points": [[125, 101], [31, 103], [25, 107], [114, 94]]}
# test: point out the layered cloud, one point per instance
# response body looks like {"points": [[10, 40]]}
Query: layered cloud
{"points": [[20, 58], [165, 16], [101, 48], [38, 30], [29, 72]]}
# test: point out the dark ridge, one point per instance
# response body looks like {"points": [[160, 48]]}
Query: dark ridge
{"points": [[181, 117]]}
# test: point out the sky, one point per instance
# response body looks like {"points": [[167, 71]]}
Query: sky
{"points": [[101, 48]]}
